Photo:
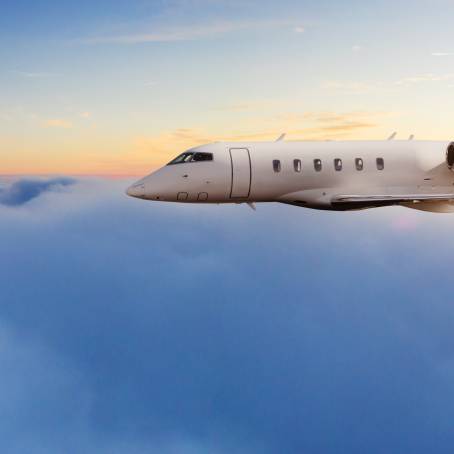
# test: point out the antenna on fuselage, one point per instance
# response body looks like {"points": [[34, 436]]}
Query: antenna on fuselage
{"points": [[392, 136], [281, 137]]}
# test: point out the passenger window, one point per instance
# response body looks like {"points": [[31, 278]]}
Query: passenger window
{"points": [[277, 165], [359, 164], [318, 165], [380, 163], [297, 165], [338, 164]]}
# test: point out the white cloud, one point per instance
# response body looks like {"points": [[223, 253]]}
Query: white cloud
{"points": [[185, 33], [80, 384], [359, 87], [299, 29], [442, 54], [58, 123], [357, 48], [426, 78], [355, 88], [36, 75]]}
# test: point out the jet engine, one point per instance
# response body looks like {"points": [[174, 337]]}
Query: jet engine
{"points": [[450, 156]]}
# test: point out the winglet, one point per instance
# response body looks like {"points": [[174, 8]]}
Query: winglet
{"points": [[281, 137], [392, 136]]}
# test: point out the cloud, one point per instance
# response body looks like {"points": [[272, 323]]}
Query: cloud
{"points": [[186, 33], [58, 123], [430, 77], [329, 125], [361, 88], [86, 115], [23, 191], [353, 88], [131, 327], [38, 385], [442, 54], [299, 29], [36, 75], [252, 105]]}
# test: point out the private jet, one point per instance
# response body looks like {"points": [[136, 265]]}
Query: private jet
{"points": [[331, 175]]}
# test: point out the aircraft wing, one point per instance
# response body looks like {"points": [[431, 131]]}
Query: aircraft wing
{"points": [[359, 201]]}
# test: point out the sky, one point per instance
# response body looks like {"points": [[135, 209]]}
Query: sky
{"points": [[120, 87], [128, 327]]}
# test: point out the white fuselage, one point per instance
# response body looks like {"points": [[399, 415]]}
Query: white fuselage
{"points": [[323, 175]]}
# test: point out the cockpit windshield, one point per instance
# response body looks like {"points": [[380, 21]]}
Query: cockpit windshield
{"points": [[192, 156]]}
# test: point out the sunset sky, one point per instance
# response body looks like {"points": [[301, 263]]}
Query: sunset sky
{"points": [[119, 87]]}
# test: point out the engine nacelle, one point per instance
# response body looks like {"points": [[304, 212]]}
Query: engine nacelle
{"points": [[450, 156]]}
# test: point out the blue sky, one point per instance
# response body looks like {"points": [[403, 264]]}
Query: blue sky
{"points": [[131, 327]]}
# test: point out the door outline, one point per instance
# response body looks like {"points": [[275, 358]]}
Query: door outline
{"points": [[250, 173]]}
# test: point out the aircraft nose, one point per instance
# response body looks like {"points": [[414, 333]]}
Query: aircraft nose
{"points": [[136, 190]]}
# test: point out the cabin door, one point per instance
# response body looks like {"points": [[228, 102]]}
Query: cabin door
{"points": [[241, 173]]}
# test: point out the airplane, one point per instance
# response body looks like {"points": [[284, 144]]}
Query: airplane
{"points": [[323, 175]]}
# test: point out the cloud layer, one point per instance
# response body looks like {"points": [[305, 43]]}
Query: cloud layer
{"points": [[136, 327], [23, 191]]}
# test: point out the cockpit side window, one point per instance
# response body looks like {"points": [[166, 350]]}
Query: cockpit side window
{"points": [[202, 157], [190, 156]]}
